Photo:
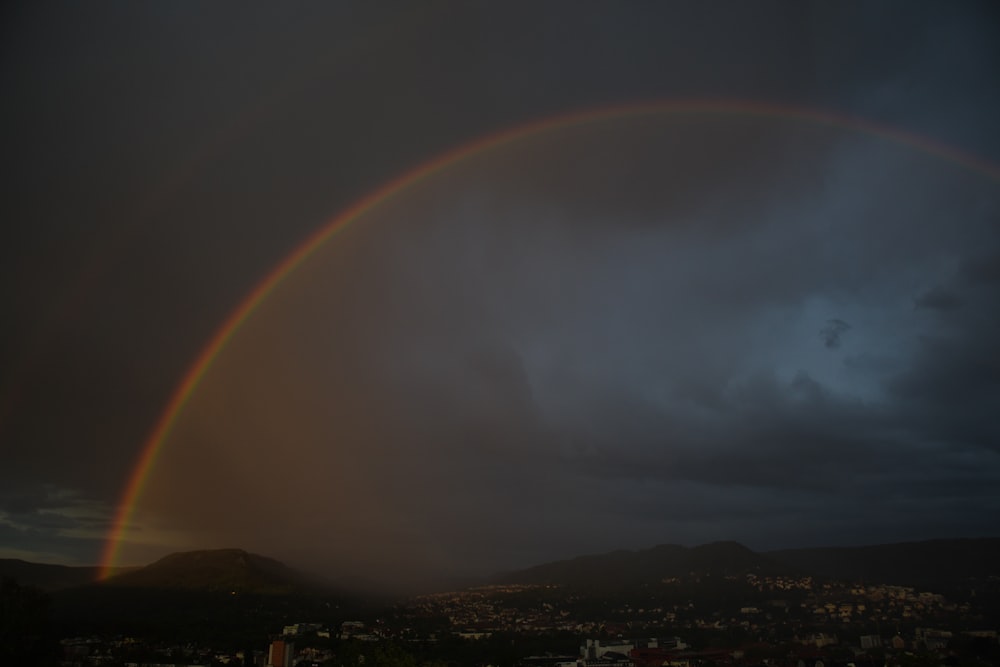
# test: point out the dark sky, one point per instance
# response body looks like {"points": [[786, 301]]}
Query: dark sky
{"points": [[646, 329]]}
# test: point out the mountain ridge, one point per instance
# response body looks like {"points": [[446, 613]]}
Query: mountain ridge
{"points": [[942, 563], [228, 570], [629, 568], [47, 576], [938, 562]]}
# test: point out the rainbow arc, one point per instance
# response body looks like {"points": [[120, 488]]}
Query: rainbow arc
{"points": [[412, 179]]}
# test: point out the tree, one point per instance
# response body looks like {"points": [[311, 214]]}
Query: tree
{"points": [[390, 654]]}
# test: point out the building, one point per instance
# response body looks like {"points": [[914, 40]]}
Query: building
{"points": [[281, 653]]}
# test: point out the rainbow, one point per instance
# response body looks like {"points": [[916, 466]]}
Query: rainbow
{"points": [[411, 179]]}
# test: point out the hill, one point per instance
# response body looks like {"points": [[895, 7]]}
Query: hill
{"points": [[940, 564], [629, 568], [936, 564], [943, 565], [223, 570], [224, 594], [47, 577]]}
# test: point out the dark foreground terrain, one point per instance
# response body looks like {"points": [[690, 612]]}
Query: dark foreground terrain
{"points": [[934, 602]]}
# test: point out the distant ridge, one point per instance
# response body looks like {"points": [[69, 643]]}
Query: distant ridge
{"points": [[47, 577], [948, 563], [217, 570], [938, 564], [627, 568], [942, 565]]}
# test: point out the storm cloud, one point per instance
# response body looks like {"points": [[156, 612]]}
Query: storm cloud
{"points": [[491, 370], [833, 332], [662, 327]]}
